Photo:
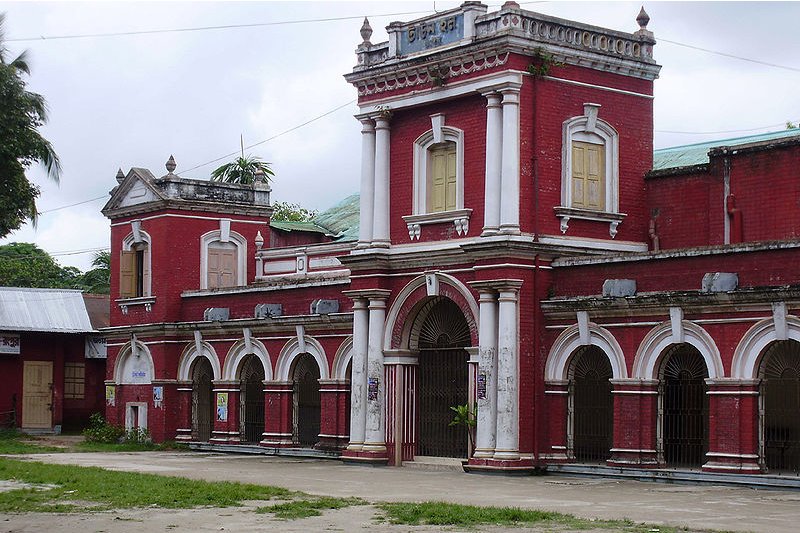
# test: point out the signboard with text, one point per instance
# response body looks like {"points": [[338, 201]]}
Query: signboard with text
{"points": [[9, 343], [431, 34]]}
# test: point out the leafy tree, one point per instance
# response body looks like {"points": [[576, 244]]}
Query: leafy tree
{"points": [[286, 212], [790, 125], [21, 113], [243, 169], [98, 279], [26, 265]]}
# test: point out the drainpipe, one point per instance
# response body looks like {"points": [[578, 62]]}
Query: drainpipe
{"points": [[726, 192]]}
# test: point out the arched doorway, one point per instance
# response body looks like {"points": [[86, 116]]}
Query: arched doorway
{"points": [[591, 405], [305, 400], [442, 378], [683, 407], [251, 400], [202, 404], [780, 407]]}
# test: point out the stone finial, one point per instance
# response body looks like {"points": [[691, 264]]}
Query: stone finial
{"points": [[510, 5], [643, 19], [366, 31], [170, 164], [120, 176], [259, 240], [259, 176]]}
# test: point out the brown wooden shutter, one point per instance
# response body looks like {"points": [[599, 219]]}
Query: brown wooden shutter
{"points": [[227, 271], [213, 268], [127, 274], [588, 175]]}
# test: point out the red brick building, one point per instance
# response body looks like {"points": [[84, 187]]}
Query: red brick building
{"points": [[515, 245]]}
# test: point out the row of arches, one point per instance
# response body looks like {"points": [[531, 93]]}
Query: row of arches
{"points": [[682, 421]]}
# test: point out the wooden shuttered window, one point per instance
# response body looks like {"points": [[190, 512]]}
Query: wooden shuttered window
{"points": [[127, 274], [74, 381], [588, 176], [222, 261], [443, 183]]}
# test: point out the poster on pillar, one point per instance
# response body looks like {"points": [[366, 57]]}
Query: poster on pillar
{"points": [[222, 406], [481, 388], [372, 391]]}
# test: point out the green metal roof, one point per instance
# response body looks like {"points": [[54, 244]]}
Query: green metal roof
{"points": [[339, 222], [697, 154]]}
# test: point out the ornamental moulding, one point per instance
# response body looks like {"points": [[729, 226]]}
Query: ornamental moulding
{"points": [[422, 75]]}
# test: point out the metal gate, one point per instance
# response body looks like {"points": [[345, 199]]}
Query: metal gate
{"points": [[442, 379], [306, 401], [591, 406], [251, 400], [202, 406], [683, 407], [780, 408]]}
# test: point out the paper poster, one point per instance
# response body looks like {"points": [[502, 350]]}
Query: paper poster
{"points": [[372, 391], [222, 406], [158, 397], [111, 395]]}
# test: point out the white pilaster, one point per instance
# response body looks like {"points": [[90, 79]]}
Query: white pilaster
{"points": [[358, 378], [375, 435], [507, 446], [367, 199], [494, 164], [487, 370], [509, 198], [380, 226]]}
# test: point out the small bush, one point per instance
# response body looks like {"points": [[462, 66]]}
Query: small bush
{"points": [[101, 431], [137, 435]]}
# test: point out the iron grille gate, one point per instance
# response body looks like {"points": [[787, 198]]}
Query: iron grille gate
{"points": [[306, 401], [442, 380], [780, 408], [252, 400], [202, 406], [684, 408], [592, 406]]}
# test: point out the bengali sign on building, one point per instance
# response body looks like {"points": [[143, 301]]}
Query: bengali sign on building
{"points": [[9, 343], [431, 34]]}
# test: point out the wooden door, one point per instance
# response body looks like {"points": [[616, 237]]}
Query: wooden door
{"points": [[37, 394]]}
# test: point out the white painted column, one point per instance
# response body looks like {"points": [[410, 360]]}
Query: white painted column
{"points": [[358, 377], [509, 199], [375, 437], [507, 446], [487, 370], [380, 227], [367, 198], [494, 164]]}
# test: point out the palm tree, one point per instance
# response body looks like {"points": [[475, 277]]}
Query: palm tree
{"points": [[243, 169], [21, 114]]}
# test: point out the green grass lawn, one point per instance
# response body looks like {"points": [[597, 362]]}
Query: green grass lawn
{"points": [[81, 488], [14, 442]]}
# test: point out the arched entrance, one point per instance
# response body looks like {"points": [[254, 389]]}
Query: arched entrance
{"points": [[251, 400], [683, 407], [202, 404], [591, 405], [780, 407], [442, 378], [305, 401]]}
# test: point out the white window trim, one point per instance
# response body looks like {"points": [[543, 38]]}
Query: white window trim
{"points": [[128, 244], [421, 146], [241, 255], [585, 128]]}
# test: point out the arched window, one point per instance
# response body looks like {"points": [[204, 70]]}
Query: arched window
{"points": [[590, 170], [439, 169], [223, 256], [134, 271]]}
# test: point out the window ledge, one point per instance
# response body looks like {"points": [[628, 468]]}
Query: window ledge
{"points": [[459, 217], [146, 301], [566, 213]]}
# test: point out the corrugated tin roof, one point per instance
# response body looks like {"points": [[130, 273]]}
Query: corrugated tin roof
{"points": [[49, 310], [697, 154], [342, 219], [290, 225]]}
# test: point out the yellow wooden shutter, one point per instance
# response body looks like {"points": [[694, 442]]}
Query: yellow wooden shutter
{"points": [[145, 271], [443, 183], [127, 274], [227, 271], [213, 269], [588, 175]]}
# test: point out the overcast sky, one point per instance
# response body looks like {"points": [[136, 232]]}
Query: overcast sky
{"points": [[132, 100]]}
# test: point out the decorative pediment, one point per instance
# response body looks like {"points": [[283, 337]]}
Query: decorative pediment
{"points": [[135, 189]]}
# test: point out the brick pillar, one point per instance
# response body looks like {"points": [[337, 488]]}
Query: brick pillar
{"points": [[277, 414], [556, 395], [183, 392], [635, 421], [732, 426], [169, 408], [333, 433], [226, 431]]}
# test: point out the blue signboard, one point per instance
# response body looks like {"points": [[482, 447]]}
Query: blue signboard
{"points": [[431, 34]]}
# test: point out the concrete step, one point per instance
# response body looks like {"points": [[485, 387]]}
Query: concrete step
{"points": [[447, 464], [263, 450]]}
